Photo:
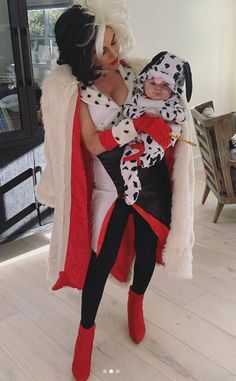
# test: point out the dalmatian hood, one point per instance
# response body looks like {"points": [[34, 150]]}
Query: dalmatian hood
{"points": [[171, 69]]}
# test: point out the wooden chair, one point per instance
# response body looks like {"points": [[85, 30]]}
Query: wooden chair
{"points": [[213, 136]]}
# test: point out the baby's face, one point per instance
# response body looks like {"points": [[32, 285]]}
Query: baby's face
{"points": [[160, 91]]}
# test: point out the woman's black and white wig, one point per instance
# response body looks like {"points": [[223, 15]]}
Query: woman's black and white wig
{"points": [[83, 26]]}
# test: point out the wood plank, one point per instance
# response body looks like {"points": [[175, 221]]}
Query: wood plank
{"points": [[33, 350], [216, 311], [212, 342], [180, 362], [202, 141], [10, 371], [164, 351], [112, 355], [7, 309], [190, 324]]}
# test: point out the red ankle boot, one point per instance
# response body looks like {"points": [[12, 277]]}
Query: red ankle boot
{"points": [[135, 317], [83, 352]]}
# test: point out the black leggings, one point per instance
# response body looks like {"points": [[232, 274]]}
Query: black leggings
{"points": [[100, 266]]}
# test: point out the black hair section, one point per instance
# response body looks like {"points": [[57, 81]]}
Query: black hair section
{"points": [[75, 36]]}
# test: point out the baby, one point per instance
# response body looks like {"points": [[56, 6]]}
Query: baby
{"points": [[155, 93]]}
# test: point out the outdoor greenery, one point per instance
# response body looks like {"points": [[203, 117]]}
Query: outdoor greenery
{"points": [[41, 20], [54, 14], [36, 22]]}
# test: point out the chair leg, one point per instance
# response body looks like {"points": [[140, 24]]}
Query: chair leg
{"points": [[205, 193], [218, 211]]}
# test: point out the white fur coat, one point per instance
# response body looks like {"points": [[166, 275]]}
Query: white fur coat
{"points": [[60, 89]]}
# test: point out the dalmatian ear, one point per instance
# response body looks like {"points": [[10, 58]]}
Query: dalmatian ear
{"points": [[153, 61], [188, 81]]}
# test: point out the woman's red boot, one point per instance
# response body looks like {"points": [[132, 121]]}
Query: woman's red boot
{"points": [[135, 317], [83, 353]]}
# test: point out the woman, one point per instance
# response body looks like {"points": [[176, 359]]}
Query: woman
{"points": [[84, 141]]}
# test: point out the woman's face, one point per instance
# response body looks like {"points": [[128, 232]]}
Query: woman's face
{"points": [[110, 56]]}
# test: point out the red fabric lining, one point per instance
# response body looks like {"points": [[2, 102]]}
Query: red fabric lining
{"points": [[169, 160], [159, 229], [78, 247], [104, 228], [126, 253]]}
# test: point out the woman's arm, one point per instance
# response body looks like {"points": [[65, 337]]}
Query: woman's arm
{"points": [[88, 131], [98, 142], [124, 132]]}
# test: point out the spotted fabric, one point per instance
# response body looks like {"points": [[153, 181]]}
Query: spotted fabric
{"points": [[175, 67], [169, 110], [110, 113], [124, 132], [153, 153], [170, 69]]}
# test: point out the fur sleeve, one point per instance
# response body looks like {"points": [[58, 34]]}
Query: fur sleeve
{"points": [[45, 189]]}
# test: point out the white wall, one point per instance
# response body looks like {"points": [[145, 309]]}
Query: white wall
{"points": [[234, 58], [201, 31]]}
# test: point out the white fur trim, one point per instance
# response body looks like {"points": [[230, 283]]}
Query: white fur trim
{"points": [[177, 254], [59, 87]]}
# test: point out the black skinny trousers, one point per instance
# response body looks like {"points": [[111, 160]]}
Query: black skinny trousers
{"points": [[100, 266]]}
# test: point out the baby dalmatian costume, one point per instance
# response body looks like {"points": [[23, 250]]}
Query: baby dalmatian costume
{"points": [[144, 151]]}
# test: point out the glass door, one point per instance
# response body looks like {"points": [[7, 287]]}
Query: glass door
{"points": [[14, 116], [42, 16]]}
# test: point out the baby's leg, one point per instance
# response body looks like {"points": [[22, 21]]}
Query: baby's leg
{"points": [[129, 172], [153, 151]]}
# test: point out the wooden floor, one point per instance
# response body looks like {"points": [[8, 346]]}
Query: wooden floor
{"points": [[191, 325]]}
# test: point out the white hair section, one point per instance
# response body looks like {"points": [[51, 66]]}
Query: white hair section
{"points": [[113, 13], [100, 40], [89, 38]]}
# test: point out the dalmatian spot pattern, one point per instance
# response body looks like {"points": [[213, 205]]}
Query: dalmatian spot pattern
{"points": [[129, 169], [171, 111]]}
